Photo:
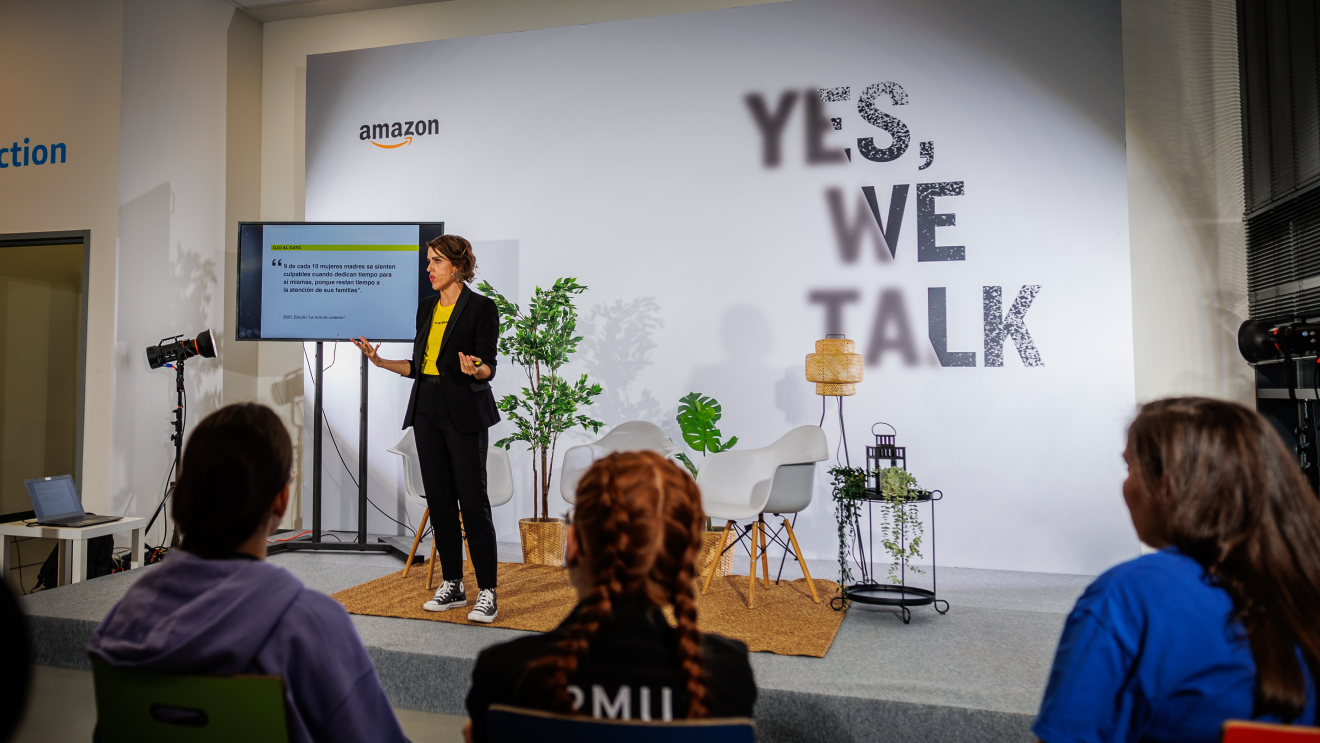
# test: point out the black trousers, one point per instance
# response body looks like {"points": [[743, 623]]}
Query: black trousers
{"points": [[454, 475]]}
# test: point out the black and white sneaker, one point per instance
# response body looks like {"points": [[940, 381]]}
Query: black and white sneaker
{"points": [[450, 595], [485, 610]]}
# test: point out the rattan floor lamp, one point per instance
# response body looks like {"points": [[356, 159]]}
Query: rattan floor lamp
{"points": [[836, 368]]}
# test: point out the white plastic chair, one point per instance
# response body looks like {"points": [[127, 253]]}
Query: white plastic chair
{"points": [[499, 489], [630, 436], [749, 483]]}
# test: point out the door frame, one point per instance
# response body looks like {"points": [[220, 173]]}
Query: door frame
{"points": [[67, 237]]}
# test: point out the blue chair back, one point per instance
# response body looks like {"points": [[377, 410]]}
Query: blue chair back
{"points": [[515, 725]]}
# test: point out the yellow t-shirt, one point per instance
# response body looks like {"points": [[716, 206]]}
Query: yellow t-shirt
{"points": [[439, 319]]}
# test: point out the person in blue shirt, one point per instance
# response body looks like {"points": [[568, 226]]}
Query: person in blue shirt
{"points": [[1223, 622], [216, 607]]}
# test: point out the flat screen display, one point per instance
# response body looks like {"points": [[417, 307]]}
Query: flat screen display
{"points": [[53, 497], [330, 281]]}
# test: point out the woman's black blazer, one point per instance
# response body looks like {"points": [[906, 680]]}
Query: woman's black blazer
{"points": [[474, 329]]}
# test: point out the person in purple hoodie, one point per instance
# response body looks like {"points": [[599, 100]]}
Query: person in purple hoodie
{"points": [[216, 607]]}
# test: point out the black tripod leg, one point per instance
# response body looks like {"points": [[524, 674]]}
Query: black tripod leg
{"points": [[784, 557]]}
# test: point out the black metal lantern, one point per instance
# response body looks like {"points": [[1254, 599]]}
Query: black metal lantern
{"points": [[886, 449]]}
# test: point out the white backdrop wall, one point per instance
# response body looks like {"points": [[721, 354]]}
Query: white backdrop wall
{"points": [[171, 257], [628, 154]]}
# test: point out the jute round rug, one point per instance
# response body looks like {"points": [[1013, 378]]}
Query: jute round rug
{"points": [[538, 597]]}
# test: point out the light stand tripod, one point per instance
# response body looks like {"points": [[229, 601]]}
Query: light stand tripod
{"points": [[177, 438], [1267, 343], [174, 350], [1307, 431]]}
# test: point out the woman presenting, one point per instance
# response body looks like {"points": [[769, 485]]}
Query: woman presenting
{"points": [[450, 410]]}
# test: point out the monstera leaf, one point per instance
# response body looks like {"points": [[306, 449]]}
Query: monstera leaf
{"points": [[697, 416]]}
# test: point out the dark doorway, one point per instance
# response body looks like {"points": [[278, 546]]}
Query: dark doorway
{"points": [[43, 320]]}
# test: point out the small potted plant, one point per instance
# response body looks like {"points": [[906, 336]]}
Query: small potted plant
{"points": [[900, 525], [900, 528], [541, 340], [697, 416]]}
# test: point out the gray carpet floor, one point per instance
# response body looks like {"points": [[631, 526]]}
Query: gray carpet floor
{"points": [[976, 673]]}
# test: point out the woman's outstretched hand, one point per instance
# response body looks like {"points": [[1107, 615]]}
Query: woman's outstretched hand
{"points": [[365, 347], [402, 368], [473, 366]]}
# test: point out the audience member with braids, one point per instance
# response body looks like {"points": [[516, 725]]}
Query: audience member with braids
{"points": [[1220, 623], [632, 546]]}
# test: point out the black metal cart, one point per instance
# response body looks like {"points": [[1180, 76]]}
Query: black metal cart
{"points": [[868, 590]]}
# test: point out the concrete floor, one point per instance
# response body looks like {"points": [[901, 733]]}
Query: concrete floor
{"points": [[62, 708]]}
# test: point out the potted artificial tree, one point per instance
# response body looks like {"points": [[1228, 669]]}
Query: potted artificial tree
{"points": [[697, 416], [540, 340]]}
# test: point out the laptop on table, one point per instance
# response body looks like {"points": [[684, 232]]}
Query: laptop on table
{"points": [[56, 503]]}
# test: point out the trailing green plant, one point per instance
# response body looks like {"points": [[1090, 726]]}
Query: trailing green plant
{"points": [[697, 416], [849, 494], [900, 524], [541, 340], [900, 527]]}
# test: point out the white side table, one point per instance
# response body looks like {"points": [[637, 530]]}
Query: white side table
{"points": [[73, 544]]}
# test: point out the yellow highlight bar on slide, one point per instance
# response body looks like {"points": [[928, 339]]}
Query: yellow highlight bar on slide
{"points": [[373, 248]]}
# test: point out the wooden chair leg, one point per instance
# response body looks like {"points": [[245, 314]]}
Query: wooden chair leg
{"points": [[802, 561], [765, 558], [407, 565], [430, 565], [715, 563], [751, 588]]}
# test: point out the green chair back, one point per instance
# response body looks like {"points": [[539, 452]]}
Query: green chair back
{"points": [[134, 705]]}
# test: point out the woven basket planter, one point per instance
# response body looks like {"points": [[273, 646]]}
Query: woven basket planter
{"points": [[710, 541], [543, 540]]}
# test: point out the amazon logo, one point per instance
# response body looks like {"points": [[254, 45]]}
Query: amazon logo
{"points": [[404, 130]]}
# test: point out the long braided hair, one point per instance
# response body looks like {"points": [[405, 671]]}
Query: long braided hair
{"points": [[639, 521]]}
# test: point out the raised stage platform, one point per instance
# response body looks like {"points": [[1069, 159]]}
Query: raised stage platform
{"points": [[975, 674]]}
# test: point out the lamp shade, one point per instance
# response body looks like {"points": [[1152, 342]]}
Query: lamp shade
{"points": [[835, 367]]}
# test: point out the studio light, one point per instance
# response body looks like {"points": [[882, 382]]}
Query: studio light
{"points": [[174, 349], [1262, 341]]}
